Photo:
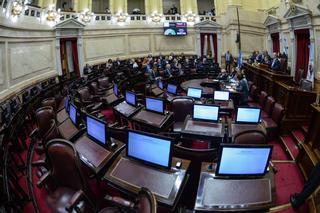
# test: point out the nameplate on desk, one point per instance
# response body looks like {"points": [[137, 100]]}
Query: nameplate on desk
{"points": [[161, 183]]}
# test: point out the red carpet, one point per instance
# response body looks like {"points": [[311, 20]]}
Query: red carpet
{"points": [[288, 180], [277, 152], [108, 114], [199, 144], [291, 145], [299, 135]]}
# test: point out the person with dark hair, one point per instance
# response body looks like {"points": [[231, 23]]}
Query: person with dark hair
{"points": [[243, 88]]}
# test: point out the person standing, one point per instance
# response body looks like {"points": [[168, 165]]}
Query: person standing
{"points": [[229, 60], [243, 89]]}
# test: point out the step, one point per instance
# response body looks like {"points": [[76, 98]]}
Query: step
{"points": [[298, 135], [278, 152], [290, 145]]}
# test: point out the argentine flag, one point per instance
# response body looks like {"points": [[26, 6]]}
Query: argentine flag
{"points": [[240, 60], [285, 45]]}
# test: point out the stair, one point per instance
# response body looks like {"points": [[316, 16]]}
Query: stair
{"points": [[290, 146], [298, 135]]}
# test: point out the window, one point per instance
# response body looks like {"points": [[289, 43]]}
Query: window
{"points": [[65, 5], [171, 7], [206, 7], [100, 6], [136, 7]]}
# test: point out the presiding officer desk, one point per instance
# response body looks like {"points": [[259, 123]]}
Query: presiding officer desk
{"points": [[217, 194], [130, 175]]}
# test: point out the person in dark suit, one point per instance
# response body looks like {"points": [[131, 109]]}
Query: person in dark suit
{"points": [[243, 88], [87, 69], [275, 64], [229, 60]]}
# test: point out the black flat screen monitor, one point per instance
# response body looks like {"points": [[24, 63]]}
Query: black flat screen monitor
{"points": [[96, 129], [243, 160], [155, 105], [194, 92], [73, 113], [171, 88], [150, 148], [115, 89], [175, 28], [131, 98], [221, 96], [248, 115], [206, 112], [160, 85]]}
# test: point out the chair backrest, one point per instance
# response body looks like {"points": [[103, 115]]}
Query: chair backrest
{"points": [[103, 82], [268, 107], [52, 133], [262, 98], [195, 155], [182, 107], [306, 85], [65, 165], [84, 94], [44, 115], [277, 113], [250, 137], [253, 91], [50, 102], [146, 201], [94, 86], [118, 134]]}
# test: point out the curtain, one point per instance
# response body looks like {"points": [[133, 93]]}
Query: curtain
{"points": [[206, 46], [303, 42], [69, 56], [275, 42], [212, 46], [75, 57], [63, 55]]}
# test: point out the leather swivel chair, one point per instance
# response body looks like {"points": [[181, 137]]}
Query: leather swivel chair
{"points": [[250, 137], [90, 102], [253, 93], [268, 107], [262, 100], [272, 124], [145, 203], [69, 188], [181, 107], [43, 117], [96, 90], [104, 83], [50, 102]]}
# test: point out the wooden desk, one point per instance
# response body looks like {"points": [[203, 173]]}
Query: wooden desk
{"points": [[227, 195], [62, 115], [126, 110], [67, 129], [154, 122], [94, 155], [167, 185], [235, 128], [202, 129], [112, 99]]}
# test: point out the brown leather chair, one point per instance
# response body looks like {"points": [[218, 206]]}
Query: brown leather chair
{"points": [[253, 93], [181, 107], [96, 90], [145, 203], [50, 102], [268, 107], [71, 190], [104, 83], [262, 100], [90, 102], [250, 137], [44, 115], [272, 124]]}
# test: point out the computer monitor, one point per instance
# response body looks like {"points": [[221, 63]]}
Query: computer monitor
{"points": [[243, 160], [194, 92], [96, 129], [150, 148], [160, 85], [171, 88], [115, 89], [206, 112], [66, 104], [221, 96], [131, 98], [73, 113], [248, 115], [155, 105]]}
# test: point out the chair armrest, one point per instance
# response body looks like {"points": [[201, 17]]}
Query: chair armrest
{"points": [[76, 198], [44, 178], [34, 133], [120, 201], [39, 163]]}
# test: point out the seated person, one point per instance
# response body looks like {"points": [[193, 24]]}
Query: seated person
{"points": [[87, 69], [275, 64], [243, 88], [167, 72]]}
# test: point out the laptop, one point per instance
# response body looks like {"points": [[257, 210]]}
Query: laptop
{"points": [[221, 97], [205, 112], [155, 105], [159, 89], [194, 92], [157, 150], [128, 106], [114, 96], [248, 115], [243, 161], [172, 89]]}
